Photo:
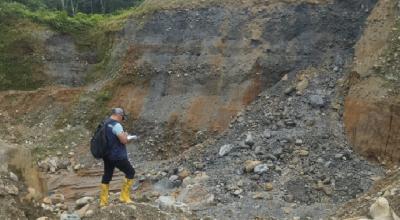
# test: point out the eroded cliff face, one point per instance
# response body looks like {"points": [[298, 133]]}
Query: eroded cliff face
{"points": [[191, 71], [372, 110]]}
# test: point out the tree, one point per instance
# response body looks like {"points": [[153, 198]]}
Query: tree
{"points": [[84, 6]]}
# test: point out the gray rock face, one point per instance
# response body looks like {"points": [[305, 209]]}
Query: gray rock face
{"points": [[224, 150], [65, 64]]}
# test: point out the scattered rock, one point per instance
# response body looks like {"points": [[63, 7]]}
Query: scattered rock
{"points": [[316, 101], [183, 174], [195, 196], [47, 200], [298, 142], [268, 186], [267, 134], [277, 151], [249, 140], [249, 165], [224, 150], [165, 202], [173, 178], [289, 90], [8, 189], [77, 167], [261, 168], [303, 153], [57, 198], [381, 210], [237, 192], [290, 123], [338, 156], [301, 86], [32, 194], [199, 165], [89, 213], [83, 201], [258, 195], [13, 176], [258, 150], [327, 190], [82, 211], [67, 216]]}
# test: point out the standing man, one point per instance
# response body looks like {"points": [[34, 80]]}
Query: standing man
{"points": [[118, 157]]}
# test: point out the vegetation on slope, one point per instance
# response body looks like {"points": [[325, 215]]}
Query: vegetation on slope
{"points": [[23, 31]]}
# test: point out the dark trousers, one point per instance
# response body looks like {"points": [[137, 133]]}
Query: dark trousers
{"points": [[123, 165]]}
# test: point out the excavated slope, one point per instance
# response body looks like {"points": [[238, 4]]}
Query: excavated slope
{"points": [[186, 73]]}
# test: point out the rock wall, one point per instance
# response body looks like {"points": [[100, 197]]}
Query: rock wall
{"points": [[193, 70]]}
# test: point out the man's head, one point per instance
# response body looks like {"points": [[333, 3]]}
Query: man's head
{"points": [[118, 114]]}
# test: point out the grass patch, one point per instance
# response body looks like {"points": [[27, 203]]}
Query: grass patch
{"points": [[22, 50], [21, 54]]}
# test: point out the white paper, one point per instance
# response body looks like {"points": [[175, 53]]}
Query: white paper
{"points": [[132, 137]]}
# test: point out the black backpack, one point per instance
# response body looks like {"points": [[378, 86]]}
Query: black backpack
{"points": [[98, 143]]}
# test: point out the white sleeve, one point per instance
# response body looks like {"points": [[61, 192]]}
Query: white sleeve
{"points": [[117, 129]]}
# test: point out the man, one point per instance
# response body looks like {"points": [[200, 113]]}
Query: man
{"points": [[118, 157]]}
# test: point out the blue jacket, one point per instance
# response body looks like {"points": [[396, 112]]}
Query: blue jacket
{"points": [[118, 150]]}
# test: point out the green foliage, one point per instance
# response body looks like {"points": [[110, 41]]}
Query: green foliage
{"points": [[20, 53], [57, 20], [32, 4], [72, 7], [22, 50]]}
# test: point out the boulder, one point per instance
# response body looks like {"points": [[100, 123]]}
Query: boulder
{"points": [[381, 210]]}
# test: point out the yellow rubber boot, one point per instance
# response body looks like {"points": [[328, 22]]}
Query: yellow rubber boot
{"points": [[104, 195], [125, 196]]}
